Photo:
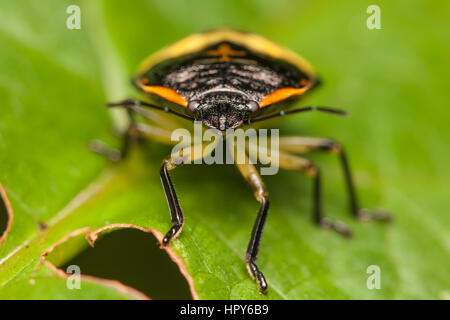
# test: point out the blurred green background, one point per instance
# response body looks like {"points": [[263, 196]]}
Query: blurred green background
{"points": [[393, 81]]}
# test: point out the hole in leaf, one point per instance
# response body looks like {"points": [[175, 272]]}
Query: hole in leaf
{"points": [[134, 258], [4, 217]]}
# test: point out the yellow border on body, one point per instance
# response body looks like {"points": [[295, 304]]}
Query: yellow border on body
{"points": [[253, 42]]}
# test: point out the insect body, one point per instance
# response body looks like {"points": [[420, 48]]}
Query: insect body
{"points": [[227, 79]]}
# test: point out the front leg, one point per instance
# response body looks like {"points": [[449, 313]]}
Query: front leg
{"points": [[250, 174], [191, 153], [176, 214]]}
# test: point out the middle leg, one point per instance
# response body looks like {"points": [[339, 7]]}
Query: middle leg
{"points": [[307, 144], [292, 162]]}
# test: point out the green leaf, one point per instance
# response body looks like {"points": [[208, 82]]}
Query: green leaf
{"points": [[54, 83]]}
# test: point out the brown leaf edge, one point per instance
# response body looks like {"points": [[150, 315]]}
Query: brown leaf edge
{"points": [[92, 236], [9, 211]]}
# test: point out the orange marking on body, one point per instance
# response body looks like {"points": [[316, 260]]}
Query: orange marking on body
{"points": [[225, 52], [281, 94], [166, 93]]}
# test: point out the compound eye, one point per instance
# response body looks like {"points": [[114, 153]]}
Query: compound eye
{"points": [[193, 106], [253, 106]]}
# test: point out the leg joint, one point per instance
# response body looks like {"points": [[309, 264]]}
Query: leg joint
{"points": [[331, 145], [259, 189], [312, 170], [170, 164]]}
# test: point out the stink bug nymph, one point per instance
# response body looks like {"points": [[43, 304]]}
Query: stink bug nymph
{"points": [[227, 79]]}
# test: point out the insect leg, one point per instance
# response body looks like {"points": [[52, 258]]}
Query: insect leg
{"points": [[250, 174], [306, 144], [176, 214], [189, 153], [292, 162], [114, 155], [135, 131]]}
